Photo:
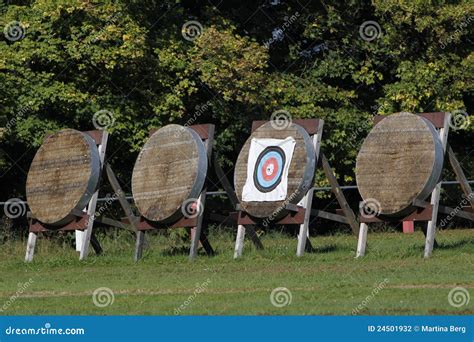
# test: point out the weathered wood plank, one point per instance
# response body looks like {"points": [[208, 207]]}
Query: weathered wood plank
{"points": [[62, 177], [400, 160], [170, 169]]}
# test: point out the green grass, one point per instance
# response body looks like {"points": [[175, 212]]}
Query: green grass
{"points": [[329, 281]]}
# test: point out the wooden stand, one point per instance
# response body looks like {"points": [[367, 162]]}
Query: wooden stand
{"points": [[301, 213], [427, 212], [195, 224], [83, 221]]}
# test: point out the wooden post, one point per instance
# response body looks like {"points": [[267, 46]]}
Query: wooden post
{"points": [[196, 237], [362, 243], [239, 241], [93, 202], [30, 246], [307, 201], [139, 245], [196, 231], [435, 196]]}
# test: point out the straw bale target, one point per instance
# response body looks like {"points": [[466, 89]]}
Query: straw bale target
{"points": [[400, 160], [62, 177], [270, 158], [170, 169]]}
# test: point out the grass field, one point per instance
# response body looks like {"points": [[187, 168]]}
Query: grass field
{"points": [[392, 279]]}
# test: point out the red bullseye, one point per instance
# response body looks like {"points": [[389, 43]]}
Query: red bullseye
{"points": [[270, 169]]}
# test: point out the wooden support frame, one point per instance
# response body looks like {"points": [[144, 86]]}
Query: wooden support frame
{"points": [[195, 224], [84, 221], [298, 214], [427, 212]]}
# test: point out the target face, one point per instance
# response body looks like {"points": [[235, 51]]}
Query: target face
{"points": [[269, 169]]}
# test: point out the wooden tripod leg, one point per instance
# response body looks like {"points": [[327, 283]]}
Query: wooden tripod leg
{"points": [[254, 237], [96, 245], [239, 241], [30, 246], [463, 182], [120, 195], [196, 235], [362, 243], [206, 244], [139, 244], [435, 196], [303, 235], [86, 238], [309, 247], [336, 189], [425, 230], [431, 228]]}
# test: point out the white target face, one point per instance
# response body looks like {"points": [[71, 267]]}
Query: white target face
{"points": [[267, 169]]}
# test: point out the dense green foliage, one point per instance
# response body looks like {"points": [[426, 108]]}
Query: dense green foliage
{"points": [[130, 58]]}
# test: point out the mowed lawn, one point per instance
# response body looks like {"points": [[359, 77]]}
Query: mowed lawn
{"points": [[392, 279]]}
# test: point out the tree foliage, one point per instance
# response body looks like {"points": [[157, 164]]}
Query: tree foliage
{"points": [[132, 59]]}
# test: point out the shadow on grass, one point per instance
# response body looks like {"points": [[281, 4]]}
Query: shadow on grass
{"points": [[455, 244], [184, 250], [327, 248]]}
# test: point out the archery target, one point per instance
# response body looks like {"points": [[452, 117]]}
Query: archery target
{"points": [[270, 163], [267, 169]]}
